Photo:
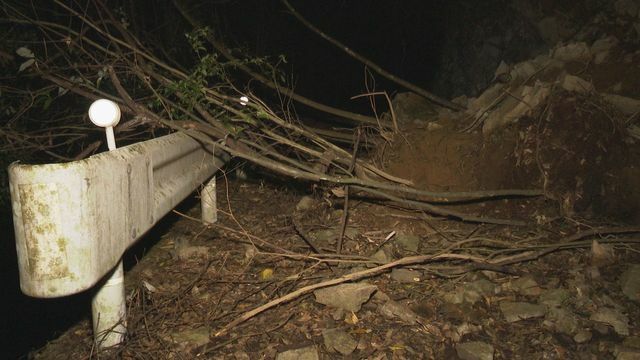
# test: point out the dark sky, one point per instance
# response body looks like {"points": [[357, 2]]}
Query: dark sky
{"points": [[401, 36]]}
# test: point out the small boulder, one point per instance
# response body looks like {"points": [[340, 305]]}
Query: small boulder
{"points": [[554, 297], [564, 321], [573, 52], [614, 318], [305, 203], [582, 336], [406, 275], [628, 106], [516, 311], [192, 337], [408, 242], [393, 309], [601, 254], [575, 84], [525, 285], [305, 353], [338, 340], [349, 297], [475, 350]]}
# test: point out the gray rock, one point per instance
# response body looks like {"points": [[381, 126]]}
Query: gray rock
{"points": [[454, 297], [456, 333], [195, 337], [605, 44], [326, 236], [606, 300], [408, 242], [338, 314], [305, 203], [564, 321], [526, 285], [406, 275], [630, 282], [601, 328], [632, 342], [339, 340], [516, 311], [573, 52], [305, 353], [485, 99], [602, 49], [483, 287], [628, 354], [575, 84], [510, 109], [350, 232], [393, 309], [626, 105], [602, 254], [191, 252], [410, 107], [433, 126], [381, 297], [582, 288], [471, 292], [582, 336], [613, 317], [475, 350], [554, 297], [382, 256], [241, 355], [348, 297], [330, 236], [523, 71]]}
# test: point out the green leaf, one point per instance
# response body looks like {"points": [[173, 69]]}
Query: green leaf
{"points": [[26, 64], [25, 53]]}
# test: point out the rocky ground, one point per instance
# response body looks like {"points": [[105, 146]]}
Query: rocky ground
{"points": [[573, 295]]}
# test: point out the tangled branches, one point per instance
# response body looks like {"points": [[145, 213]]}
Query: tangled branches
{"points": [[91, 52]]}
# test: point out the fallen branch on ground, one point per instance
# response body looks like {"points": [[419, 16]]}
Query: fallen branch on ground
{"points": [[526, 255]]}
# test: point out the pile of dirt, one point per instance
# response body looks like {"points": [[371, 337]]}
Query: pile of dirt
{"points": [[589, 161], [566, 122]]}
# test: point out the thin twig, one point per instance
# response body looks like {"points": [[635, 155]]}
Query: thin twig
{"points": [[375, 67]]}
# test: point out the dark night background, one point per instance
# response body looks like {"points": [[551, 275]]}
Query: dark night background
{"points": [[448, 47], [401, 36]]}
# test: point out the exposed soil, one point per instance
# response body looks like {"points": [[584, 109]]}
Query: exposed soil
{"points": [[589, 162]]}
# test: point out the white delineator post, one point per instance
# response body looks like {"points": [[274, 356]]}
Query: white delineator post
{"points": [[108, 306], [208, 202]]}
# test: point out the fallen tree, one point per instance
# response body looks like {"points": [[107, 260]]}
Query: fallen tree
{"points": [[91, 53]]}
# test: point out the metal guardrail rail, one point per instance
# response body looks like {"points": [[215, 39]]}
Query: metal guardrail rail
{"points": [[74, 221]]}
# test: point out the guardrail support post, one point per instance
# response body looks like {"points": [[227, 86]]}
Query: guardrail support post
{"points": [[108, 310], [208, 202]]}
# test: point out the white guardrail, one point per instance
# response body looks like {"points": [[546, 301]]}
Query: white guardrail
{"points": [[73, 221]]}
